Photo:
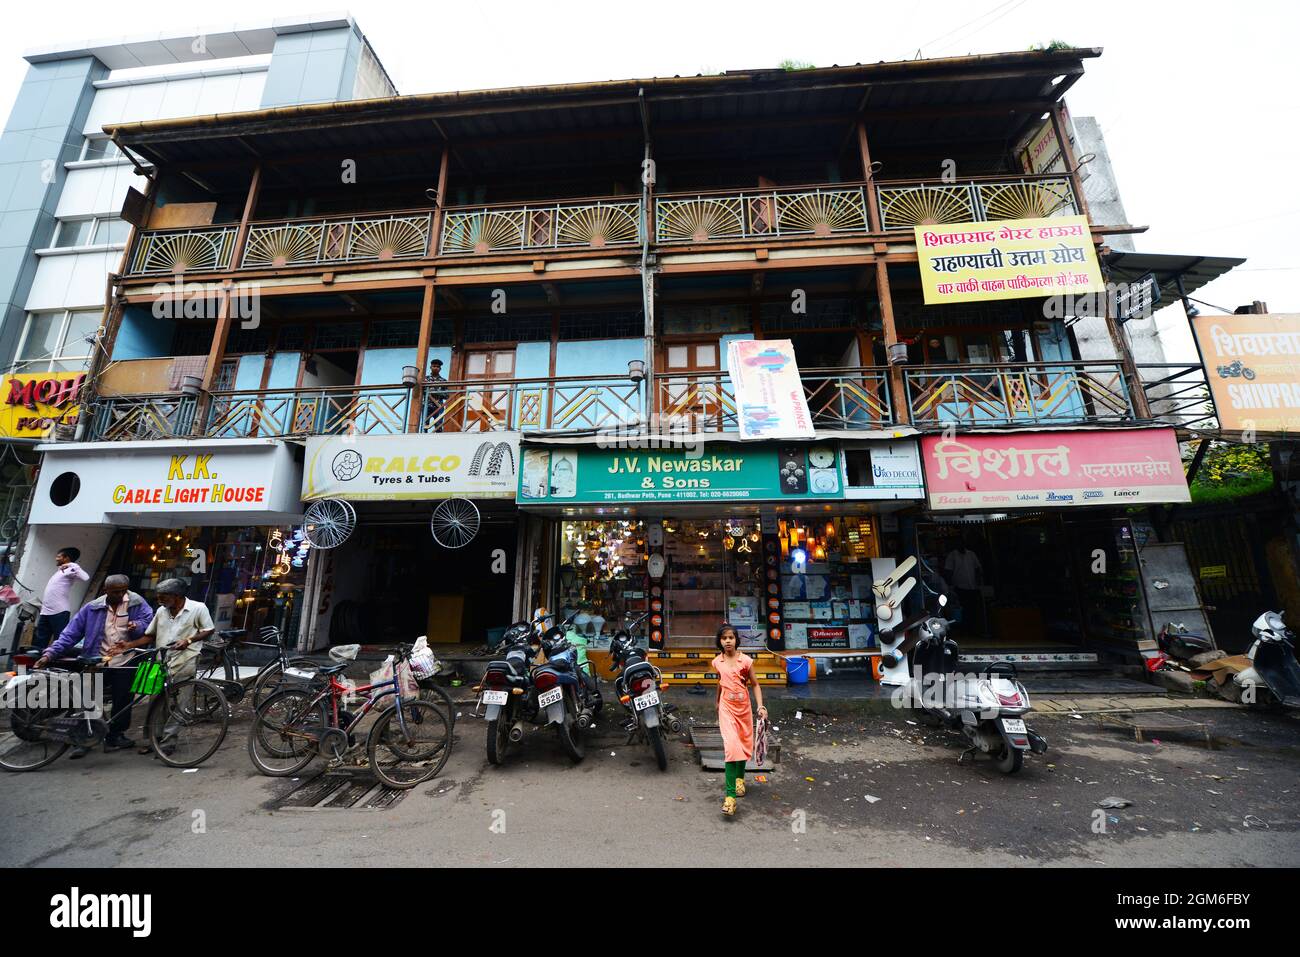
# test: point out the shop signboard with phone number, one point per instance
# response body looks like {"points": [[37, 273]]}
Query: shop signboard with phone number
{"points": [[715, 474]]}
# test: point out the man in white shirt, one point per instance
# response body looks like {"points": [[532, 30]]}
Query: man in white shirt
{"points": [[963, 570], [181, 623]]}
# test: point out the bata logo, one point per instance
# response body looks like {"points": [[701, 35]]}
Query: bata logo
{"points": [[77, 910], [52, 392]]}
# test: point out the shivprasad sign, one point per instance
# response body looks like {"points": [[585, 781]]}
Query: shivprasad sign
{"points": [[718, 474]]}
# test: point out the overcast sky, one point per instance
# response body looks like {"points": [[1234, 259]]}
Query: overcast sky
{"points": [[1197, 100]]}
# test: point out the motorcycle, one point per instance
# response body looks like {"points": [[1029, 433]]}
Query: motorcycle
{"points": [[988, 708], [1273, 678], [517, 690], [1235, 369], [638, 685]]}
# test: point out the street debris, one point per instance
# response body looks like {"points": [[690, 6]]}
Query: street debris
{"points": [[1114, 802]]}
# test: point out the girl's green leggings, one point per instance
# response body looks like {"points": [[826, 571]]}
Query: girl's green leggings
{"points": [[735, 772]]}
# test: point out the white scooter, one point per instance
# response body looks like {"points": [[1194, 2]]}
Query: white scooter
{"points": [[1274, 676], [989, 708]]}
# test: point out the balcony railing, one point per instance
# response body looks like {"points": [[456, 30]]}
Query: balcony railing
{"points": [[338, 239], [1178, 394], [563, 405], [169, 251], [837, 398], [1023, 393], [592, 224], [759, 214], [908, 203], [140, 418], [361, 410]]}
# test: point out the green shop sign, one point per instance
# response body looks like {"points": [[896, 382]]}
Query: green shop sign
{"points": [[734, 472]]}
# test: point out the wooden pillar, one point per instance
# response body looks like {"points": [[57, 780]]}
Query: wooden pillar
{"points": [[435, 234], [873, 203], [1067, 156], [897, 389], [421, 358], [250, 204], [216, 353]]}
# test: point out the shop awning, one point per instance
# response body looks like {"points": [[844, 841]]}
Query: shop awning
{"points": [[1196, 271]]}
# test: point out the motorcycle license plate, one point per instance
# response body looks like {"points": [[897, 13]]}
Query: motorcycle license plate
{"points": [[547, 698], [1013, 725], [647, 700], [298, 673], [495, 697]]}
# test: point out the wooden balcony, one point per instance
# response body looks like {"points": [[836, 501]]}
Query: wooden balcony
{"points": [[841, 399], [740, 215], [1018, 394]]}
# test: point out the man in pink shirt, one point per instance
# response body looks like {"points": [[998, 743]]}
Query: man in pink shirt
{"points": [[56, 606]]}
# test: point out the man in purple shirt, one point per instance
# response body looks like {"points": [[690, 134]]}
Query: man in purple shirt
{"points": [[56, 608]]}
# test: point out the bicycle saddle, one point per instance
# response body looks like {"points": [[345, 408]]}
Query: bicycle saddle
{"points": [[331, 669]]}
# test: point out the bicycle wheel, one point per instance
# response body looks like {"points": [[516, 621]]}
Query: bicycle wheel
{"points": [[271, 678], [28, 748], [439, 698], [283, 737], [188, 722], [404, 758]]}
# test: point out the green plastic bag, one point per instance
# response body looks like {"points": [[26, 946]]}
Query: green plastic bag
{"points": [[148, 678]]}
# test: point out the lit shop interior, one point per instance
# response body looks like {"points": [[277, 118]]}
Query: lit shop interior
{"points": [[714, 572], [248, 576]]}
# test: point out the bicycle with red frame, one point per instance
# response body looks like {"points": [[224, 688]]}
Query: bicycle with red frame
{"points": [[407, 744]]}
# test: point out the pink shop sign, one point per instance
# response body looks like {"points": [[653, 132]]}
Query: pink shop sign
{"points": [[1053, 469]]}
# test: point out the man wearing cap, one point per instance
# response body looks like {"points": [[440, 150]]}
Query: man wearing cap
{"points": [[181, 623]]}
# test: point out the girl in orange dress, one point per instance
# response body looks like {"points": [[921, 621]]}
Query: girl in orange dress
{"points": [[736, 721]]}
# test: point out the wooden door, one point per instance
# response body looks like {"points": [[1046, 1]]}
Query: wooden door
{"points": [[488, 409], [693, 385]]}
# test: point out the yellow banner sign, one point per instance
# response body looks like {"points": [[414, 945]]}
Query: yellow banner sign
{"points": [[32, 403], [1253, 365], [1009, 259]]}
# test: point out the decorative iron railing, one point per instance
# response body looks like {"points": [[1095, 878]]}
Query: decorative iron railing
{"points": [[361, 410], [171, 251], [1022, 393], [592, 224], [856, 398], [1178, 394], [140, 418], [338, 239], [908, 203], [813, 211], [579, 404]]}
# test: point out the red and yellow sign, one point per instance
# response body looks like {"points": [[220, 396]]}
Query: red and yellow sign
{"points": [[34, 402], [1008, 259], [1252, 363]]}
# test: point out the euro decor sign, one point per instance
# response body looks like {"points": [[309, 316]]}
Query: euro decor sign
{"points": [[411, 467], [1046, 469], [36, 402], [1010, 259], [1252, 363]]}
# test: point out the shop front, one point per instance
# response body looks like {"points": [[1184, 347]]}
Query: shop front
{"points": [[782, 541], [1038, 538], [393, 578], [223, 517]]}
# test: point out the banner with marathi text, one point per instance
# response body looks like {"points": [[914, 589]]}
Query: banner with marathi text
{"points": [[1009, 259], [1252, 363]]}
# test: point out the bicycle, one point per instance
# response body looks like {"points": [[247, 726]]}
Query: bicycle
{"points": [[186, 722], [221, 655], [407, 745]]}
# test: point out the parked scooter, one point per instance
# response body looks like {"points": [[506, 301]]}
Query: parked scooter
{"points": [[638, 686], [1273, 678], [989, 708]]}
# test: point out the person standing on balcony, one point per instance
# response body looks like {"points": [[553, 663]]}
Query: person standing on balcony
{"points": [[56, 608], [435, 390]]}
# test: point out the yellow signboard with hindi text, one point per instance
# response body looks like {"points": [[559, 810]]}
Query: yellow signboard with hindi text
{"points": [[1008, 259]]}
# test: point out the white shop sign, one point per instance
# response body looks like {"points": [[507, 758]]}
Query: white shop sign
{"points": [[168, 484], [411, 467], [882, 470]]}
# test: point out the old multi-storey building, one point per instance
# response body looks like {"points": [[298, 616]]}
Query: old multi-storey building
{"points": [[490, 335]]}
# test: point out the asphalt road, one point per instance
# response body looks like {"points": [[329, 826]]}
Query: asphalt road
{"points": [[1232, 806]]}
